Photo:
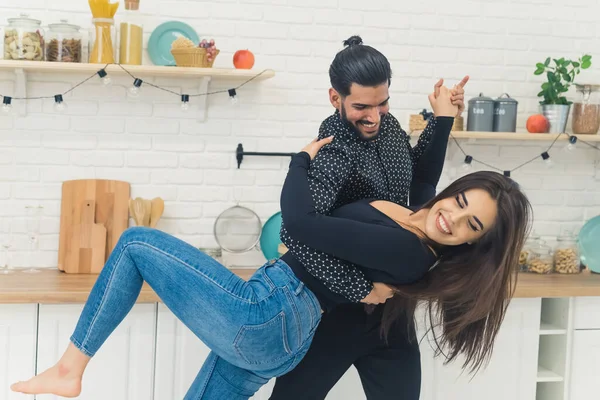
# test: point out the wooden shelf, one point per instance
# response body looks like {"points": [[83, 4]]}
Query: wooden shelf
{"points": [[516, 136], [137, 70], [545, 375]]}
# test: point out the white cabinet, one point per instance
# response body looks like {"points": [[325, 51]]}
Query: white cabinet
{"points": [[18, 326], [511, 373], [179, 357], [123, 369], [585, 365]]}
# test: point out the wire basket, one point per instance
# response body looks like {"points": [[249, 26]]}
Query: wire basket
{"points": [[417, 123], [193, 57]]}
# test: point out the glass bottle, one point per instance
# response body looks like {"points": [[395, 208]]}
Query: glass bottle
{"points": [[131, 35], [63, 43], [24, 39], [566, 254], [586, 110]]}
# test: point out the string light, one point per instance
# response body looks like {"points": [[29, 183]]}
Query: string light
{"points": [[59, 104], [547, 160], [185, 102], [467, 166], [233, 96], [572, 143], [507, 173], [134, 90], [6, 104], [104, 76]]}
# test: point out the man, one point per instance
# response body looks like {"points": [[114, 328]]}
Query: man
{"points": [[370, 157]]}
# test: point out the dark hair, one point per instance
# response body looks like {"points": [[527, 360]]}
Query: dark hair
{"points": [[469, 289], [359, 64]]}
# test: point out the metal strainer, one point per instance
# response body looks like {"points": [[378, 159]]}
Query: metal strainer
{"points": [[237, 229]]}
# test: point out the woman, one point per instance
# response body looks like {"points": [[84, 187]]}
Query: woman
{"points": [[261, 328]]}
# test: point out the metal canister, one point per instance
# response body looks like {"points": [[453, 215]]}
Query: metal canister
{"points": [[481, 114], [505, 114]]}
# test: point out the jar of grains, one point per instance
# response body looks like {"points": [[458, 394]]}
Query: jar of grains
{"points": [[532, 241], [586, 110]]}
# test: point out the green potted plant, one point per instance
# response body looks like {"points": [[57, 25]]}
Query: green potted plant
{"points": [[560, 76]]}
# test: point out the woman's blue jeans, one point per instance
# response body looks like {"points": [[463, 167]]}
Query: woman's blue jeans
{"points": [[257, 329]]}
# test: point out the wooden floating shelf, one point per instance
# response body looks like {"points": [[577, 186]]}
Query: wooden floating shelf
{"points": [[517, 136], [138, 70]]}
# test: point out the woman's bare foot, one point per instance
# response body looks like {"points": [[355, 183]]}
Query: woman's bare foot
{"points": [[55, 380], [63, 379]]}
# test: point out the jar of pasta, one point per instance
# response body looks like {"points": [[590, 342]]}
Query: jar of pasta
{"points": [[566, 254], [63, 43], [541, 260], [24, 39], [532, 241]]}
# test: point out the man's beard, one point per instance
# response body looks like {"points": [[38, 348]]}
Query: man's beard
{"points": [[355, 128]]}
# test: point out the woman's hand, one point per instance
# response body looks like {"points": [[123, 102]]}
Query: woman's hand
{"points": [[441, 102], [315, 145], [380, 293]]}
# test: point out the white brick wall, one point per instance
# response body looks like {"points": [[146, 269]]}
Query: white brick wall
{"points": [[164, 152]]}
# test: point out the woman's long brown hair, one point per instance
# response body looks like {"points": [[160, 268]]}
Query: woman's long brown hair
{"points": [[469, 289]]}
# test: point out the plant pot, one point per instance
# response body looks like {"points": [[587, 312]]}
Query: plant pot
{"points": [[557, 115]]}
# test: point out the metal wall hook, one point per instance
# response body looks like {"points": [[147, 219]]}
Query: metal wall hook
{"points": [[240, 153]]}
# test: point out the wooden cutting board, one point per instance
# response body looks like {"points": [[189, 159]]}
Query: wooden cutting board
{"points": [[111, 201], [90, 239]]}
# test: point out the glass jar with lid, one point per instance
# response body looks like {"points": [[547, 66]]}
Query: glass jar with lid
{"points": [[24, 39], [64, 42], [131, 34], [566, 254], [540, 260], [532, 241], [586, 110]]}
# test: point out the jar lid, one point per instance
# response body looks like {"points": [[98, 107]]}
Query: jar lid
{"points": [[64, 25], [506, 100], [481, 99], [25, 19], [587, 87], [132, 4]]}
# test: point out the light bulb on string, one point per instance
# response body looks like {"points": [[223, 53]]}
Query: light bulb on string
{"points": [[6, 104], [572, 145], [104, 76], [466, 165], [507, 174], [59, 104], [547, 160], [233, 96], [185, 102], [134, 90]]}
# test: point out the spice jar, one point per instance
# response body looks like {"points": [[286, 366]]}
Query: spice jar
{"points": [[586, 110], [566, 254], [24, 39], [532, 241], [131, 35], [63, 42], [540, 259], [102, 41]]}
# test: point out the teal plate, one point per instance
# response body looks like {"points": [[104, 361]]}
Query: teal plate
{"points": [[587, 241], [159, 44], [269, 238]]}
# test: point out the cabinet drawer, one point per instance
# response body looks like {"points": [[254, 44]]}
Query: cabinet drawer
{"points": [[586, 313]]}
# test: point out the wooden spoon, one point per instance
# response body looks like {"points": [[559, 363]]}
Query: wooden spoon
{"points": [[147, 211], [158, 207], [139, 210]]}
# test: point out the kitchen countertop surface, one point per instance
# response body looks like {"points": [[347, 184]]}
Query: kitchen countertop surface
{"points": [[53, 286]]}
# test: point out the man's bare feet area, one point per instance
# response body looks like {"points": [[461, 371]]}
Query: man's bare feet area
{"points": [[56, 380]]}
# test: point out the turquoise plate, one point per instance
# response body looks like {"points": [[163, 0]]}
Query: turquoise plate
{"points": [[159, 44], [269, 238], [587, 241]]}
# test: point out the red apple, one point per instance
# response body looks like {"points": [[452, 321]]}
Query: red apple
{"points": [[537, 124], [243, 59]]}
